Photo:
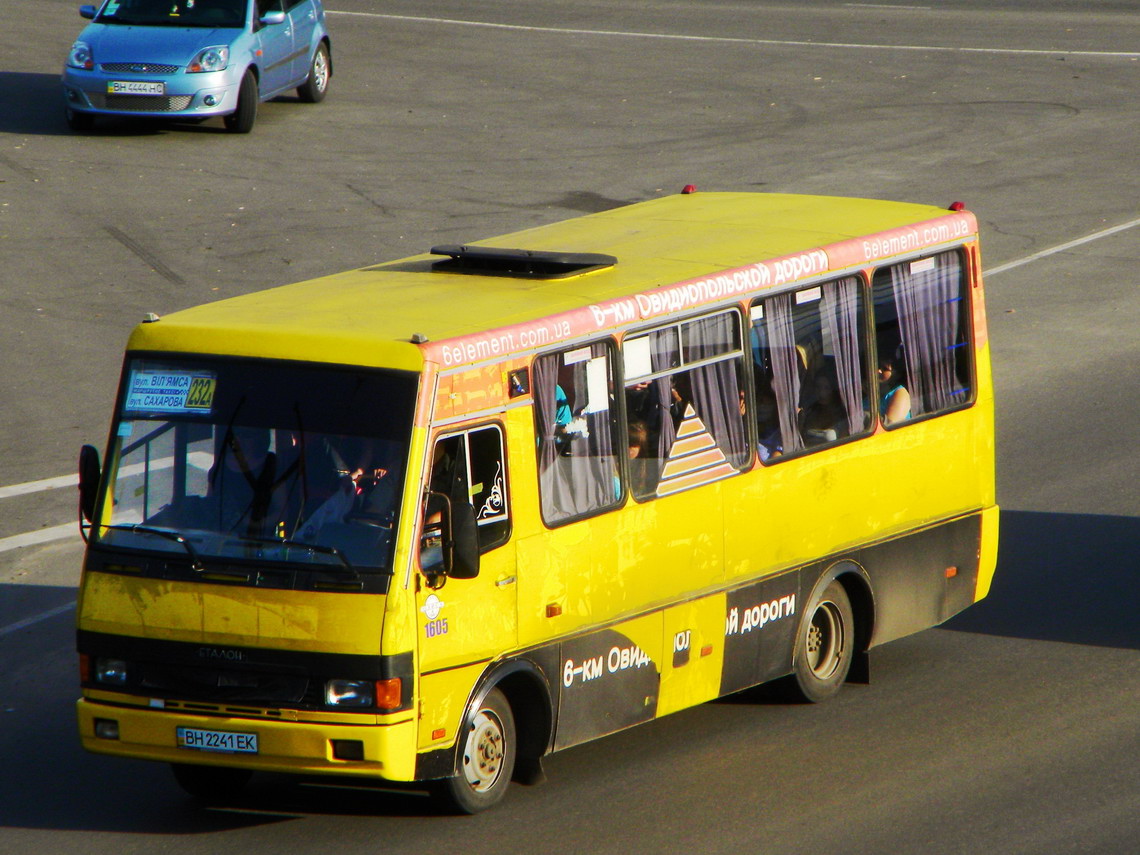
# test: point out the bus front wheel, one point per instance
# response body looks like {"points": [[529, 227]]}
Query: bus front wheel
{"points": [[487, 758], [825, 645]]}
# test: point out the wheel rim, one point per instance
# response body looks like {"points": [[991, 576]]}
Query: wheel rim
{"points": [[483, 753], [320, 70], [825, 640]]}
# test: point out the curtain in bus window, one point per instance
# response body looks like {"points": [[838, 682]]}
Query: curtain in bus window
{"points": [[927, 295], [716, 387], [786, 366], [593, 387], [545, 374], [839, 309], [666, 354], [573, 405]]}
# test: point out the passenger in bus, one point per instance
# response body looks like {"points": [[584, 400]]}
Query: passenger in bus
{"points": [[568, 426], [894, 399], [767, 421], [824, 419], [642, 470]]}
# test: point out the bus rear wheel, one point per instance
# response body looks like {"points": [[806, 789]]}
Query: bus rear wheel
{"points": [[824, 645], [487, 758], [210, 783]]}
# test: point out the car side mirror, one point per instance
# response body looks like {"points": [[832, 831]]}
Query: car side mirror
{"points": [[88, 480], [271, 18], [87, 12]]}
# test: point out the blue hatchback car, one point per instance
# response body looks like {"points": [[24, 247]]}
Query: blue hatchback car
{"points": [[193, 59]]}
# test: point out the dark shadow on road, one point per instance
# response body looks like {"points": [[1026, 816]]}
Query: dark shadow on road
{"points": [[31, 103], [1063, 577]]}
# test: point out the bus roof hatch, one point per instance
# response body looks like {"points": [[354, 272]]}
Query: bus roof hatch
{"points": [[525, 263]]}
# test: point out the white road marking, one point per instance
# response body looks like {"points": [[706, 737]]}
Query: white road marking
{"points": [[1037, 256], [40, 535], [34, 619], [418, 19], [37, 486]]}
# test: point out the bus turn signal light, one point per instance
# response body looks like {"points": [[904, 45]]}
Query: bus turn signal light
{"points": [[389, 693]]}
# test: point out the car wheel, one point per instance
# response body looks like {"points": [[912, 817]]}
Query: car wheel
{"points": [[320, 70], [487, 758], [241, 120], [78, 121]]}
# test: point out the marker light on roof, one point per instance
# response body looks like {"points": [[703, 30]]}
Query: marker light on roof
{"points": [[689, 188], [957, 206]]}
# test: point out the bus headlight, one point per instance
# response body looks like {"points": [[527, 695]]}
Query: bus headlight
{"points": [[350, 693], [111, 672]]}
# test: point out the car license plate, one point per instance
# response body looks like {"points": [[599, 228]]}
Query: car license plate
{"points": [[135, 87], [217, 740]]}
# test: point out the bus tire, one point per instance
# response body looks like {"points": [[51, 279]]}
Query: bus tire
{"points": [[210, 783], [825, 645], [486, 758], [241, 120]]}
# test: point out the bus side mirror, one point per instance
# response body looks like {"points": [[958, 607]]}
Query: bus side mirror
{"points": [[450, 545], [465, 543], [88, 480]]}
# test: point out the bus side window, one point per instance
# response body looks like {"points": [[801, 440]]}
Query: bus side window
{"points": [[471, 467], [810, 368], [684, 380], [576, 424], [488, 490], [922, 337]]}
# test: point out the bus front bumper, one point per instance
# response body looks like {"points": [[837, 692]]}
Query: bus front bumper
{"points": [[373, 748]]}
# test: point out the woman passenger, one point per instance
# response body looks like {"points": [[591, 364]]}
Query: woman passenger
{"points": [[894, 400]]}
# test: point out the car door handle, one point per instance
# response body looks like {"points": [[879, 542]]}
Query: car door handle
{"points": [[502, 583]]}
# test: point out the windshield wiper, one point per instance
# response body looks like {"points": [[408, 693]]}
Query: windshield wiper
{"points": [[195, 560], [312, 547]]}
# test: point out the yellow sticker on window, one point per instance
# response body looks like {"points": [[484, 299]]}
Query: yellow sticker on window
{"points": [[201, 394]]}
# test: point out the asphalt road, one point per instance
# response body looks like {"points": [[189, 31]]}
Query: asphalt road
{"points": [[1014, 729]]}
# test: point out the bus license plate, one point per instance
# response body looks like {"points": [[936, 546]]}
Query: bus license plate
{"points": [[217, 740], [135, 87]]}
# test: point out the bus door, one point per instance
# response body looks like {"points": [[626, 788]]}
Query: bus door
{"points": [[463, 623]]}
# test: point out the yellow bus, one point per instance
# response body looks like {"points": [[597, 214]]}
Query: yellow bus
{"points": [[431, 520]]}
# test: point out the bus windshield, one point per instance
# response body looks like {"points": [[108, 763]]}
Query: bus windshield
{"points": [[289, 463]]}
